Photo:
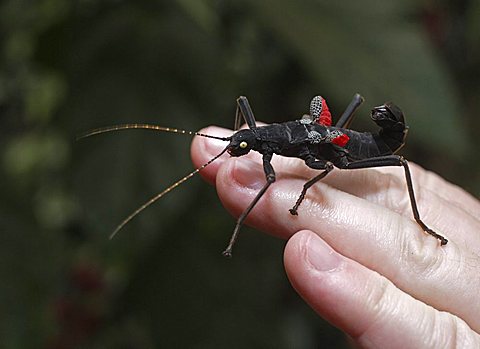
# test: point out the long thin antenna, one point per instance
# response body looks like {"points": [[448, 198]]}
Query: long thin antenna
{"points": [[158, 196], [145, 127]]}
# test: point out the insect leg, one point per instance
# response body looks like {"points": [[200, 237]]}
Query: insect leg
{"points": [[317, 165], [347, 116], [270, 175], [246, 111], [238, 119], [396, 160]]}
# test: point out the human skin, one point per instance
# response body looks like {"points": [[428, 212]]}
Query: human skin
{"points": [[354, 252]]}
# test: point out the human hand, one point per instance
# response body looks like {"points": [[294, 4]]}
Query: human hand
{"points": [[356, 255]]}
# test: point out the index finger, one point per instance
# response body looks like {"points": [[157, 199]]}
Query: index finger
{"points": [[437, 199], [380, 239]]}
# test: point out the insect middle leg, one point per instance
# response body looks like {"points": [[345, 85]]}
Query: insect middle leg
{"points": [[317, 165], [394, 160]]}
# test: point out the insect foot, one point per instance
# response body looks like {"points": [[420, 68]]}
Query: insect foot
{"points": [[443, 241], [227, 253], [328, 167]]}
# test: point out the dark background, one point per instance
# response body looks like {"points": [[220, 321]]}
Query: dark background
{"points": [[70, 66]]}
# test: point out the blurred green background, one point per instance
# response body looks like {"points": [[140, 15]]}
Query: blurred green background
{"points": [[70, 66]]}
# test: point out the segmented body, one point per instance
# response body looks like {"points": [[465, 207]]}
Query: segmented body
{"points": [[301, 140]]}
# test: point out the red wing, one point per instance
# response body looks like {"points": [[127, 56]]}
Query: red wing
{"points": [[341, 140], [325, 118]]}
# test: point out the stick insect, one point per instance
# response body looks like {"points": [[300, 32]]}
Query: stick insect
{"points": [[313, 139]]}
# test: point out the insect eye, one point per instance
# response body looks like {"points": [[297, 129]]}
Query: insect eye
{"points": [[243, 145]]}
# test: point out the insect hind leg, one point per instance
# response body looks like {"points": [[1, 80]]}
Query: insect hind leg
{"points": [[396, 160]]}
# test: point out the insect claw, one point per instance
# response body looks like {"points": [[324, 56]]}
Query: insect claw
{"points": [[293, 212], [227, 253], [443, 241]]}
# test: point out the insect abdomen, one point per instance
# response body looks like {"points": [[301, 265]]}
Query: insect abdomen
{"points": [[363, 145]]}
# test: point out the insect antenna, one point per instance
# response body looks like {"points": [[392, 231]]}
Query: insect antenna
{"points": [[159, 195], [145, 127], [154, 128]]}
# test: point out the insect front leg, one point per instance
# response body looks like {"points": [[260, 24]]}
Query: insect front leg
{"points": [[270, 176], [395, 160], [243, 108], [317, 165]]}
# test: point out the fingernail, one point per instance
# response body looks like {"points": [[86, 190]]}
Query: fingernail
{"points": [[320, 255], [249, 174]]}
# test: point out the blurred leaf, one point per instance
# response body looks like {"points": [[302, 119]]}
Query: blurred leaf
{"points": [[202, 12], [29, 154], [373, 48], [473, 27], [44, 94], [53, 207], [18, 47]]}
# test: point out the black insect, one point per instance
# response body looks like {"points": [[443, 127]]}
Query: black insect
{"points": [[312, 139]]}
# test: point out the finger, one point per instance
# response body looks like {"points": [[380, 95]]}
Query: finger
{"points": [[375, 236], [359, 182], [366, 305], [386, 187], [371, 180], [204, 149], [438, 200], [390, 190]]}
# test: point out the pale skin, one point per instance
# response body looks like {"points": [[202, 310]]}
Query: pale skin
{"points": [[354, 252]]}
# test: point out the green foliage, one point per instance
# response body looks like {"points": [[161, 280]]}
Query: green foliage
{"points": [[371, 46], [67, 67]]}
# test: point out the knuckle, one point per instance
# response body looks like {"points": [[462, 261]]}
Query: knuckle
{"points": [[462, 335], [426, 260], [393, 192], [377, 299], [422, 255], [396, 189], [449, 331], [380, 304], [397, 197]]}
